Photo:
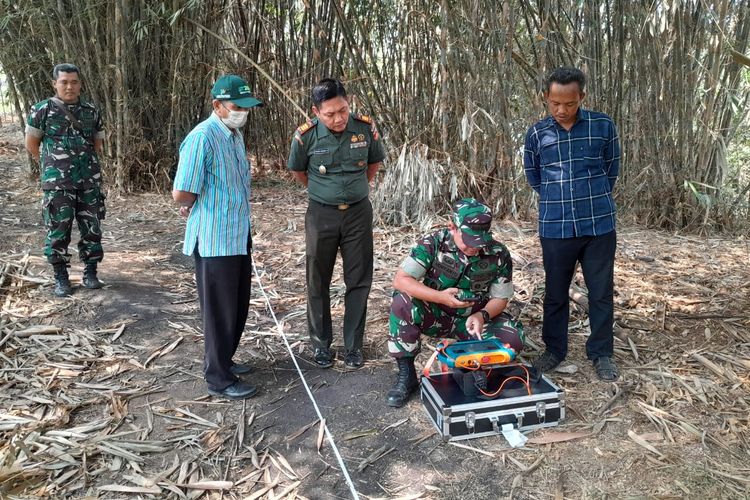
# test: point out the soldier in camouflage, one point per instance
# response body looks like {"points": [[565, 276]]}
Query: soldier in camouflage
{"points": [[455, 283], [65, 134]]}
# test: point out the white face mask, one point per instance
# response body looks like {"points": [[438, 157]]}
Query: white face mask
{"points": [[236, 119]]}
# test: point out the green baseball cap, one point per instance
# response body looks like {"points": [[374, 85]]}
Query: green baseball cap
{"points": [[234, 89], [474, 219]]}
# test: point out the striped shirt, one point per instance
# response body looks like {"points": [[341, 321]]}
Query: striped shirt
{"points": [[214, 166], [574, 172]]}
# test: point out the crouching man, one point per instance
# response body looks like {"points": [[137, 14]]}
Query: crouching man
{"points": [[455, 283]]}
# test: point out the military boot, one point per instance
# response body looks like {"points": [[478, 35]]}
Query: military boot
{"points": [[405, 385], [62, 280], [89, 276]]}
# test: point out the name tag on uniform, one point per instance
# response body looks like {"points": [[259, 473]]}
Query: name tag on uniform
{"points": [[356, 145], [447, 266], [320, 152]]}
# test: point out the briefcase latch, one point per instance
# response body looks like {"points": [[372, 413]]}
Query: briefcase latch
{"points": [[541, 411], [471, 419], [495, 425]]}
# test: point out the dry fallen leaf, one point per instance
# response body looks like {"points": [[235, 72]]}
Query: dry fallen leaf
{"points": [[641, 442], [208, 485], [321, 434], [557, 437], [569, 369]]}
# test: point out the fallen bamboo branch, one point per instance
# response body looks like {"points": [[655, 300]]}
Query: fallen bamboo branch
{"points": [[38, 330], [375, 456]]}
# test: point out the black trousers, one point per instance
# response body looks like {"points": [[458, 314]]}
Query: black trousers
{"points": [[328, 229], [597, 257], [224, 295]]}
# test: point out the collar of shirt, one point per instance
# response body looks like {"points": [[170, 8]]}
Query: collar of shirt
{"points": [[228, 132], [322, 131], [75, 106], [581, 116]]}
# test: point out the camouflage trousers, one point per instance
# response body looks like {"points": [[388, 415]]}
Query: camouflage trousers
{"points": [[59, 208], [410, 318]]}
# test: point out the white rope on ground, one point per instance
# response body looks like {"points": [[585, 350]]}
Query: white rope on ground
{"points": [[335, 449]]}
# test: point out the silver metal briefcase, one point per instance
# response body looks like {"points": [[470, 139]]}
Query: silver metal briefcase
{"points": [[458, 416]]}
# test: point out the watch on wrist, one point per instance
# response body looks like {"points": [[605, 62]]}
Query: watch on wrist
{"points": [[485, 315]]}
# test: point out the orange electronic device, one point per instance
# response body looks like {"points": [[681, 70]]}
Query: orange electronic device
{"points": [[473, 354]]}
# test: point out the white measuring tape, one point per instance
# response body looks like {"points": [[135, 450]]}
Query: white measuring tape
{"points": [[335, 449]]}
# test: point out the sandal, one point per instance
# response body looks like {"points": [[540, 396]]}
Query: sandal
{"points": [[546, 362], [606, 369]]}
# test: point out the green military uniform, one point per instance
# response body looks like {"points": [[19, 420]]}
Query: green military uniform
{"points": [[480, 269], [439, 264], [339, 216], [71, 178]]}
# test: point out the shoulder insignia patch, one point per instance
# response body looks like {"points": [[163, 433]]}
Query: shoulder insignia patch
{"points": [[306, 127], [364, 118], [368, 120]]}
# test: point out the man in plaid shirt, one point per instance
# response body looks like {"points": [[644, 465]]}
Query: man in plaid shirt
{"points": [[571, 159]]}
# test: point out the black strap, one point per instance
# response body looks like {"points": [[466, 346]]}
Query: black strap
{"points": [[74, 122]]}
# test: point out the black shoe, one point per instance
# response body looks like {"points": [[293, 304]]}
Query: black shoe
{"points": [[354, 359], [241, 369], [89, 277], [546, 362], [406, 384], [323, 357], [238, 390], [62, 280], [606, 369]]}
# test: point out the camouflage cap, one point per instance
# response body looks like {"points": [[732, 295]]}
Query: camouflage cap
{"points": [[474, 219]]}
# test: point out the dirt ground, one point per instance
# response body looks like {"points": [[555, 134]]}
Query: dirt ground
{"points": [[108, 401]]}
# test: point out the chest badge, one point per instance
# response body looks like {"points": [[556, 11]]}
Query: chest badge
{"points": [[322, 169]]}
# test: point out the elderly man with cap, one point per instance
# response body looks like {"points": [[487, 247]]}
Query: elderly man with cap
{"points": [[212, 186], [455, 283]]}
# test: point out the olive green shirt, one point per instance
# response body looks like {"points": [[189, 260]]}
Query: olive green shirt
{"points": [[336, 166]]}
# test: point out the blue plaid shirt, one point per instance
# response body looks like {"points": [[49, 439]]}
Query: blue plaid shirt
{"points": [[574, 173]]}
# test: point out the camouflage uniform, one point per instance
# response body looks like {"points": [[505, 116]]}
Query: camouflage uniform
{"points": [[71, 178], [439, 264]]}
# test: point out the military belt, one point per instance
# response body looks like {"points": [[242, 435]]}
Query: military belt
{"points": [[340, 206]]}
